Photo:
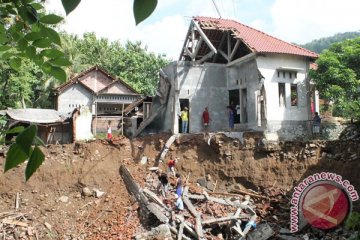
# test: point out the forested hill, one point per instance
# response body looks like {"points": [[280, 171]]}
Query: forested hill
{"points": [[319, 45]]}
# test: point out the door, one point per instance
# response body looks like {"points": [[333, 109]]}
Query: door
{"points": [[184, 103], [234, 102]]}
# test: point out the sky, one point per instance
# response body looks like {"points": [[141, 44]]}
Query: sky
{"points": [[298, 21]]}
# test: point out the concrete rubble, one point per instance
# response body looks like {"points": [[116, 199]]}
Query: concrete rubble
{"points": [[229, 216]]}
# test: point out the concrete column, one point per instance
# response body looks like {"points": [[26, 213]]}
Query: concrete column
{"points": [[317, 104]]}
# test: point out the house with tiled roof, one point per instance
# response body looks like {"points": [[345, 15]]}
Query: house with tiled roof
{"points": [[104, 95], [224, 63]]}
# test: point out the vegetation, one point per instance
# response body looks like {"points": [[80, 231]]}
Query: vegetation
{"points": [[338, 77], [30, 58], [319, 45]]}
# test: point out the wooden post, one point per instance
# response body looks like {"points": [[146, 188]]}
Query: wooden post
{"points": [[122, 120]]}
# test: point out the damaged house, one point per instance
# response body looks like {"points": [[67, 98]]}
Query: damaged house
{"points": [[226, 63], [105, 96]]}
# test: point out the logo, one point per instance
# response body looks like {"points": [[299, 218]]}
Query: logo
{"points": [[325, 205], [323, 200]]}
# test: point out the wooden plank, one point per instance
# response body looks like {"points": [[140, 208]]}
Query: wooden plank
{"points": [[14, 222], [187, 226], [203, 35], [234, 50], [224, 219], [198, 227], [250, 194], [180, 233]]}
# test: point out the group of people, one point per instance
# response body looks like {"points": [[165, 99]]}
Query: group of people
{"points": [[184, 116], [163, 186]]}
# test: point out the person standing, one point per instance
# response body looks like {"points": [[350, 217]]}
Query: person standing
{"points": [[184, 120], [206, 119], [316, 124], [109, 134], [230, 113], [164, 183], [171, 165], [179, 185]]}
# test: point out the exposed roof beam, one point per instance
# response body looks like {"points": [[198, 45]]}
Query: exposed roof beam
{"points": [[204, 58], [219, 47], [186, 39], [203, 35], [234, 50], [242, 59], [224, 55], [197, 47], [228, 45]]}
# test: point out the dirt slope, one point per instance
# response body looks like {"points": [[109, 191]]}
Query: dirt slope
{"points": [[53, 205]]}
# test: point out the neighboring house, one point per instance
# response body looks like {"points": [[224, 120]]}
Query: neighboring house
{"points": [[104, 95], [224, 63], [53, 127]]}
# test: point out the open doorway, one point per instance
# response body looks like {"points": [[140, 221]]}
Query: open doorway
{"points": [[184, 103], [234, 103]]}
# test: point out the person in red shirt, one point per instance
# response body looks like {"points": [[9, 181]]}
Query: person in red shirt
{"points": [[206, 119], [171, 165]]}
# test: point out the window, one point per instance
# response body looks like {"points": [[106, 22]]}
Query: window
{"points": [[294, 95], [282, 94]]}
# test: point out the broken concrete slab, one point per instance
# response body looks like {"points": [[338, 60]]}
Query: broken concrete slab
{"points": [[262, 232]]}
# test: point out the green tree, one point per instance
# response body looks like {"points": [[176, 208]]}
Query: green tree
{"points": [[26, 33], [321, 44], [338, 77]]}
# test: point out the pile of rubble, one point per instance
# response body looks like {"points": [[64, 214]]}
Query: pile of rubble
{"points": [[207, 215]]}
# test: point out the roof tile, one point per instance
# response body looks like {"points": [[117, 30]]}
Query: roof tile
{"points": [[256, 40]]}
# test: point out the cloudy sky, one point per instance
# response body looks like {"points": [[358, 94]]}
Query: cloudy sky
{"points": [[164, 31]]}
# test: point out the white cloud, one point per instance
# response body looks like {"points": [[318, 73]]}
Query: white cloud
{"points": [[306, 20]]}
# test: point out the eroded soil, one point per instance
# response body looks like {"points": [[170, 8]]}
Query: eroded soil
{"points": [[53, 206]]}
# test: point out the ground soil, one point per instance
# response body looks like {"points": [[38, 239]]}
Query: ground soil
{"points": [[251, 163]]}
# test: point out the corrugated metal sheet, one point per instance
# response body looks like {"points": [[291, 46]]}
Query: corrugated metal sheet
{"points": [[35, 115]]}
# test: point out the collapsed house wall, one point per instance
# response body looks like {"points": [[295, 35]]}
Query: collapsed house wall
{"points": [[202, 86], [285, 119]]}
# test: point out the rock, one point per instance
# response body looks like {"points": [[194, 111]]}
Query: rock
{"points": [[144, 160], [262, 232], [210, 186], [201, 182], [208, 177], [47, 225], [64, 199], [98, 193], [87, 192]]}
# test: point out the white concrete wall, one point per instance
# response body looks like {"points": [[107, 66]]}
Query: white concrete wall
{"points": [[245, 75], [203, 85], [83, 125], [74, 96], [267, 66]]}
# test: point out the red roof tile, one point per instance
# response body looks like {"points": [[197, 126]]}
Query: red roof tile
{"points": [[256, 40]]}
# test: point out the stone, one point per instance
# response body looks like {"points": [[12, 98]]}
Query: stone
{"points": [[143, 160], [87, 192], [98, 193], [64, 199], [47, 225], [201, 182], [262, 232]]}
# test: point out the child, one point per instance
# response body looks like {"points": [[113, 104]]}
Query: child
{"points": [[109, 134]]}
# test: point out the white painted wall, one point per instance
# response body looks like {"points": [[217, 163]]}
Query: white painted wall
{"points": [[83, 125], [245, 75], [74, 96], [267, 66]]}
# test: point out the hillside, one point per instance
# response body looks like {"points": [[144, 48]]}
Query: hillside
{"points": [[318, 45]]}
